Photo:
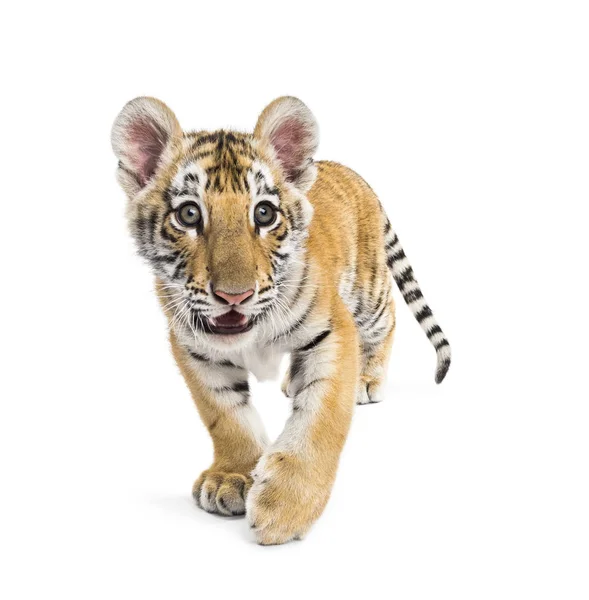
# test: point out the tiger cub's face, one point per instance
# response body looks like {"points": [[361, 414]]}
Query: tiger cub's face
{"points": [[221, 217]]}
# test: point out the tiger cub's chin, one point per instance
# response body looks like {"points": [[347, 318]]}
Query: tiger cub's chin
{"points": [[232, 342]]}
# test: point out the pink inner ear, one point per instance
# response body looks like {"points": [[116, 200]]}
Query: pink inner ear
{"points": [[290, 143], [146, 144]]}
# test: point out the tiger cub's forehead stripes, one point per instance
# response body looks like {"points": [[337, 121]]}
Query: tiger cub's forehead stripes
{"points": [[225, 156]]}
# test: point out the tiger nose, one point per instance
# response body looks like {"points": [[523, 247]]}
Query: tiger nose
{"points": [[233, 298]]}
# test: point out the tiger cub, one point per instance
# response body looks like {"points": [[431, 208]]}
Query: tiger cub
{"points": [[259, 251]]}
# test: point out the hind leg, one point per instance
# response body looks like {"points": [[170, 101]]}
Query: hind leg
{"points": [[375, 356]]}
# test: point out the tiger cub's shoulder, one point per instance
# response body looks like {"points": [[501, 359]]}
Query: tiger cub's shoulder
{"points": [[336, 179], [340, 193]]}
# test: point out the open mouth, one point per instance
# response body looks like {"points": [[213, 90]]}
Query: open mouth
{"points": [[230, 323]]}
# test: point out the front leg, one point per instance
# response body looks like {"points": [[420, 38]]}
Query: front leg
{"points": [[293, 480], [221, 392]]}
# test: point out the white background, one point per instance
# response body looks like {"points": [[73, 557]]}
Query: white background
{"points": [[471, 121]]}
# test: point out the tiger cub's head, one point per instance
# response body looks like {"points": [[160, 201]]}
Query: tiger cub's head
{"points": [[220, 216]]}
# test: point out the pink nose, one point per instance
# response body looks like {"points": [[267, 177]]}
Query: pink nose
{"points": [[234, 298]]}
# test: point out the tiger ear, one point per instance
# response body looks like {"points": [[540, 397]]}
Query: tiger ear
{"points": [[140, 135], [292, 131]]}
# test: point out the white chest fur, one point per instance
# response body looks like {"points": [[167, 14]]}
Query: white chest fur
{"points": [[264, 363]]}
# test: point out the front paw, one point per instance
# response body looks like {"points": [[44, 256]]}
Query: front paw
{"points": [[222, 493], [286, 498]]}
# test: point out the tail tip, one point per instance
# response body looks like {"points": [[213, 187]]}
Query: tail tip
{"points": [[442, 368]]}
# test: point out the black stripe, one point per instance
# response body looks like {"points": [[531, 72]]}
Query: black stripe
{"points": [[191, 177], [314, 342], [404, 278], [198, 304], [167, 235], [201, 155], [222, 363], [398, 255], [241, 386], [228, 363], [299, 216], [139, 225], [441, 344], [165, 258], [392, 242], [289, 216], [435, 329], [152, 222], [413, 295], [263, 301], [423, 314], [296, 366], [181, 265], [378, 315], [210, 138]]}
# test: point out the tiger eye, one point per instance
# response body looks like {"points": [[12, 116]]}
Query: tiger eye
{"points": [[188, 214], [265, 214]]}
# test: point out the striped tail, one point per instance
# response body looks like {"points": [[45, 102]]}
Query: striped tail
{"points": [[408, 286]]}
